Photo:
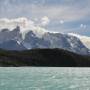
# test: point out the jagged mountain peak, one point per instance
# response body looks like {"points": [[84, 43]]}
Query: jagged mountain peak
{"points": [[25, 25]]}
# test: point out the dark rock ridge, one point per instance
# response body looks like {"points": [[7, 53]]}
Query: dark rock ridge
{"points": [[43, 57]]}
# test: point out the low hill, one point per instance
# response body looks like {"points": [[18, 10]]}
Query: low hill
{"points": [[43, 57]]}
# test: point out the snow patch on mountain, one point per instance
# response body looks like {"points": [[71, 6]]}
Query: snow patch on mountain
{"points": [[44, 21], [85, 39]]}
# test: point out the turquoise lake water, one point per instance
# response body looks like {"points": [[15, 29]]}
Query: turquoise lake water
{"points": [[48, 78]]}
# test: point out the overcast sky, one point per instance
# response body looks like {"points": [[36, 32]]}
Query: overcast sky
{"points": [[62, 15]]}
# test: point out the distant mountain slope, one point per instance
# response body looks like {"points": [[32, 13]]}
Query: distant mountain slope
{"points": [[43, 57], [12, 45], [66, 42]]}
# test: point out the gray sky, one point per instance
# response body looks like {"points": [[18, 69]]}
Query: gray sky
{"points": [[63, 15]]}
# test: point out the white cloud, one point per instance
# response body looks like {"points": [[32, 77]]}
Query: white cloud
{"points": [[25, 25], [44, 21], [61, 21], [23, 22], [83, 26], [65, 11]]}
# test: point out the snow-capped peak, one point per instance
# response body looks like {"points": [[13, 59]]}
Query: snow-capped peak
{"points": [[25, 25], [23, 22]]}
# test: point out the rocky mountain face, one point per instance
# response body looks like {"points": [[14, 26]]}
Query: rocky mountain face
{"points": [[13, 40], [12, 45]]}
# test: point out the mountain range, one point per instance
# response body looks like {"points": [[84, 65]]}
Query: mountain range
{"points": [[16, 40], [22, 43], [23, 34]]}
